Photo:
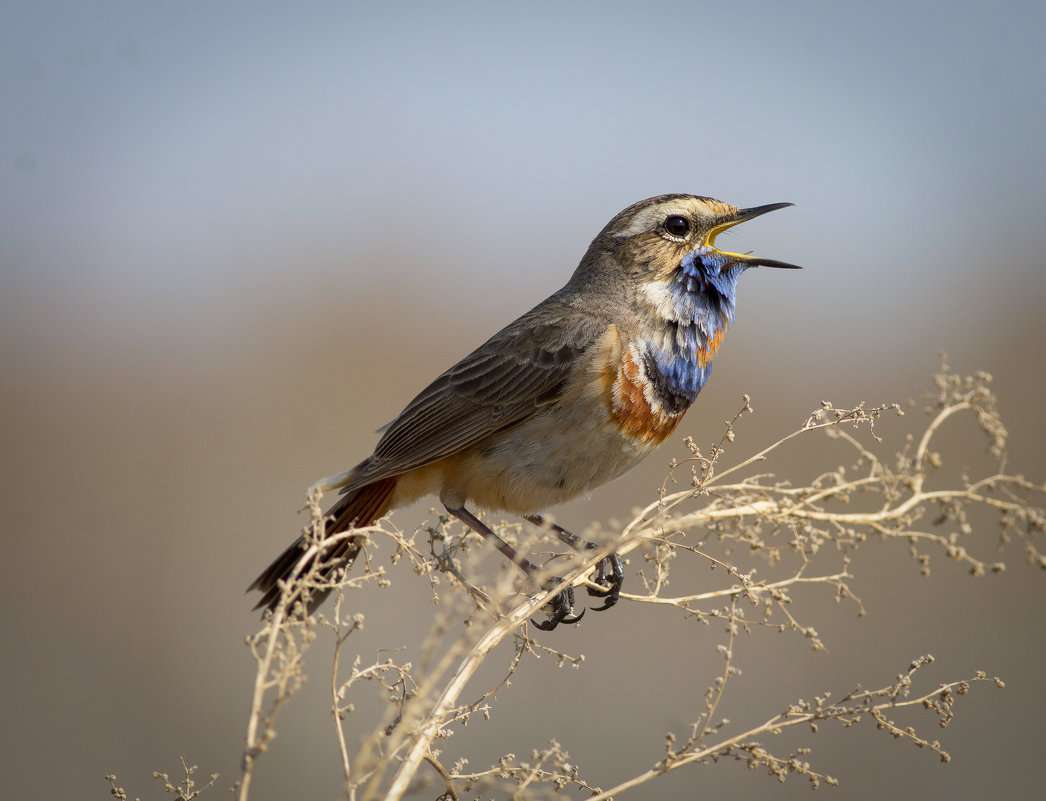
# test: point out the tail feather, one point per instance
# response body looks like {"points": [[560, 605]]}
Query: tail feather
{"points": [[357, 509]]}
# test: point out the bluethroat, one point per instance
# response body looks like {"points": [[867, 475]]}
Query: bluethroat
{"points": [[567, 397]]}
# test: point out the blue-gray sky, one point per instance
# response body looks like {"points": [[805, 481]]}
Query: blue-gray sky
{"points": [[163, 153]]}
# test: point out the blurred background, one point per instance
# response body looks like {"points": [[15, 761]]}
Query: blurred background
{"points": [[236, 238]]}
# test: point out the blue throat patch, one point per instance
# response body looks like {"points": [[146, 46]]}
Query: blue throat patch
{"points": [[703, 295]]}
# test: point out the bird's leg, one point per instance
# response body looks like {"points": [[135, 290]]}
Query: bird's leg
{"points": [[610, 573], [562, 604]]}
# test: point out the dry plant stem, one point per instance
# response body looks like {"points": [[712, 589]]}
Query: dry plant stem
{"points": [[665, 505], [343, 749], [775, 725], [262, 684], [448, 698], [732, 592], [448, 780], [274, 639], [799, 503], [186, 790], [798, 508], [720, 686]]}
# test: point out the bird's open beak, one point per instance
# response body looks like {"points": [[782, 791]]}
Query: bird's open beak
{"points": [[742, 216]]}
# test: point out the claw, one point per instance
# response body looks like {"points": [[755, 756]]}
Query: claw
{"points": [[610, 575], [552, 622], [562, 606], [610, 601]]}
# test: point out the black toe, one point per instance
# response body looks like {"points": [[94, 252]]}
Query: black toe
{"points": [[610, 575], [562, 607]]}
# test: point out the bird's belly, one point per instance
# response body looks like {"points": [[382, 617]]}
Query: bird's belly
{"points": [[558, 454]]}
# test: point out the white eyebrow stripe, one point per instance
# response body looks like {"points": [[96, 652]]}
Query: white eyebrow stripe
{"points": [[650, 218]]}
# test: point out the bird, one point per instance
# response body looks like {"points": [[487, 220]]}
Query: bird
{"points": [[562, 400]]}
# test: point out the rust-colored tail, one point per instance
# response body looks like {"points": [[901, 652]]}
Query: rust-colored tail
{"points": [[355, 510]]}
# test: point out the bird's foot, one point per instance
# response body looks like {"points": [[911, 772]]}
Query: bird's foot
{"points": [[562, 606], [610, 575]]}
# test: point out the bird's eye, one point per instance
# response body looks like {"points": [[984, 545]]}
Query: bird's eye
{"points": [[677, 226]]}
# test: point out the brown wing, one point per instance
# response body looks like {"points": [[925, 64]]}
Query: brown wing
{"points": [[519, 370]]}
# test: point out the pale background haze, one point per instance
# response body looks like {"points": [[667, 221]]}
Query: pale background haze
{"points": [[236, 238]]}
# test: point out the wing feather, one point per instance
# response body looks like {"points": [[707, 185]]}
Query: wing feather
{"points": [[519, 370]]}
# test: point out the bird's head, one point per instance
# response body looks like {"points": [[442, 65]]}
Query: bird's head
{"points": [[664, 249], [655, 236]]}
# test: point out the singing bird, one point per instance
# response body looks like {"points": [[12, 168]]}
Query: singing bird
{"points": [[565, 398]]}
